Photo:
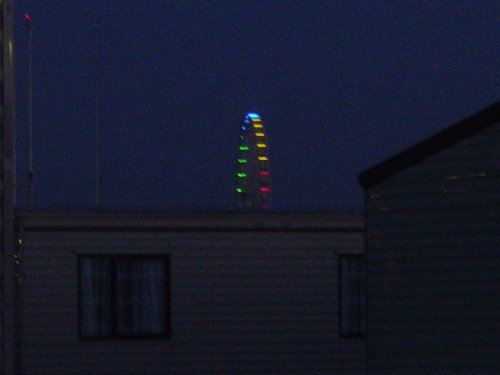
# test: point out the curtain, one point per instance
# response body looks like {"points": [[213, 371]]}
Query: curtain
{"points": [[95, 297], [140, 288]]}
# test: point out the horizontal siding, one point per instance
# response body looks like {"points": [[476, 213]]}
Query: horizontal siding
{"points": [[82, 243], [242, 303], [433, 264]]}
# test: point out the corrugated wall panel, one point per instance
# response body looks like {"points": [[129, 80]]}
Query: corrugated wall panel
{"points": [[242, 303], [433, 264]]}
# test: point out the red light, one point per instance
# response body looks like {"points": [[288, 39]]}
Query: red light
{"points": [[264, 189], [264, 173], [27, 17], [264, 205]]}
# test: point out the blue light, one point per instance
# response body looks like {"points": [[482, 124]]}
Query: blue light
{"points": [[253, 115], [243, 127]]}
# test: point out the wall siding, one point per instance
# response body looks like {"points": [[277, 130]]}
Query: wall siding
{"points": [[433, 263], [242, 303]]}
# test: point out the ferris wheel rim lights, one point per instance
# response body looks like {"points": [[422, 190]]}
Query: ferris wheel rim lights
{"points": [[252, 173]]}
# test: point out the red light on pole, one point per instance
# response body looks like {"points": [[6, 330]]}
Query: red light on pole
{"points": [[264, 173], [27, 17], [264, 189]]}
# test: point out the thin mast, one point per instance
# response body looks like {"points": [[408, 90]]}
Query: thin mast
{"points": [[97, 118], [31, 176]]}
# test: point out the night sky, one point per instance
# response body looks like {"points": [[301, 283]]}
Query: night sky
{"points": [[340, 86]]}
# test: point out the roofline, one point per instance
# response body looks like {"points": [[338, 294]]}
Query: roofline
{"points": [[216, 222], [430, 146]]}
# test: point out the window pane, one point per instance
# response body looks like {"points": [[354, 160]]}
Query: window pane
{"points": [[140, 296], [95, 297]]}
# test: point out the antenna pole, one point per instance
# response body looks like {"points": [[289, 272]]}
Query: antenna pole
{"points": [[97, 118], [27, 17]]}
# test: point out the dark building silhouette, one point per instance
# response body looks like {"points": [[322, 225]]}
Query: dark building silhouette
{"points": [[189, 294], [433, 253]]}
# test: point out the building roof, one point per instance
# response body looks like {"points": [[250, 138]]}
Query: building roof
{"points": [[430, 146], [190, 222]]}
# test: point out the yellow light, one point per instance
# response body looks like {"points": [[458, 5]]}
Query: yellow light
{"points": [[261, 145], [262, 158], [258, 134], [257, 126]]}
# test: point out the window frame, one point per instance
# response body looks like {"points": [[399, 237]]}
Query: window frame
{"points": [[362, 306], [113, 260]]}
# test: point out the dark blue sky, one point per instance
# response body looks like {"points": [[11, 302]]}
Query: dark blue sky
{"points": [[340, 85]]}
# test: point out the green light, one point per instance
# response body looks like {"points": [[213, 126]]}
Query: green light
{"points": [[244, 148], [242, 161], [239, 190], [241, 174]]}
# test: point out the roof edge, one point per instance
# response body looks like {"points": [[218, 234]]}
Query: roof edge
{"points": [[430, 146], [94, 222]]}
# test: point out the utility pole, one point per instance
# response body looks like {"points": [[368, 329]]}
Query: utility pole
{"points": [[8, 317]]}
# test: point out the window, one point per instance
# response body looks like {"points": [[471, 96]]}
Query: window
{"points": [[352, 295], [124, 296]]}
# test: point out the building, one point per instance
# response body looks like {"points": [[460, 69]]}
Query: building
{"points": [[433, 253], [189, 294]]}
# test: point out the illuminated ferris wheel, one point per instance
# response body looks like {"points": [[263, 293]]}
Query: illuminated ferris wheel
{"points": [[252, 165]]}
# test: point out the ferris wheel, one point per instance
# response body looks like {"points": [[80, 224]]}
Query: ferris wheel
{"points": [[252, 165]]}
